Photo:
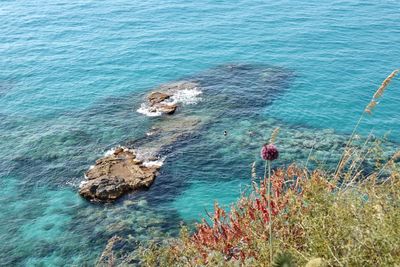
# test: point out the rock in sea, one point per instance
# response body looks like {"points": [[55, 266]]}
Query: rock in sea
{"points": [[164, 108], [117, 174], [157, 97], [163, 99]]}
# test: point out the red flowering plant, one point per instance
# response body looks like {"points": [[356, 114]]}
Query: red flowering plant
{"points": [[236, 234]]}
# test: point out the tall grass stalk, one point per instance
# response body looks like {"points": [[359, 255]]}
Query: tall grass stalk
{"points": [[358, 158], [309, 156], [367, 110], [389, 162]]}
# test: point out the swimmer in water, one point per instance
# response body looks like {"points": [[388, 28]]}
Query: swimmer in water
{"points": [[225, 133]]}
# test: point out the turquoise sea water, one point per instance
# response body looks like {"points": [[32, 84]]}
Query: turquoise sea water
{"points": [[72, 75]]}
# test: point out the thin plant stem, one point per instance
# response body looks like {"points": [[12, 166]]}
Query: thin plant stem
{"points": [[269, 210], [382, 169], [265, 171], [309, 155], [348, 144], [360, 161]]}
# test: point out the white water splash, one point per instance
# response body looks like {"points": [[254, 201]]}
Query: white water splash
{"points": [[145, 110], [186, 96], [146, 154], [82, 183], [151, 133], [183, 96], [111, 151], [154, 163]]}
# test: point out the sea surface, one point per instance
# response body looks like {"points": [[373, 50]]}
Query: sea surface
{"points": [[74, 73]]}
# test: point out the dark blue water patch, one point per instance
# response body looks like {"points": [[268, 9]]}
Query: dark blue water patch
{"points": [[238, 90]]}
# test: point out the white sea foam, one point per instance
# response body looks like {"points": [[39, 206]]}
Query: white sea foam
{"points": [[145, 110], [154, 163], [149, 157], [146, 154], [83, 182], [150, 133], [183, 96], [186, 96], [111, 151], [74, 183]]}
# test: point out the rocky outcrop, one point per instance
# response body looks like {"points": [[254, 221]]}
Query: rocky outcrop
{"points": [[165, 108], [157, 103], [163, 99], [157, 97], [125, 170], [116, 174]]}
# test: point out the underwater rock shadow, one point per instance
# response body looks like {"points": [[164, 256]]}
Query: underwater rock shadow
{"points": [[169, 185], [242, 89]]}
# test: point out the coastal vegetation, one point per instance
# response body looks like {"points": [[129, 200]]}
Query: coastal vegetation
{"points": [[300, 217], [314, 219]]}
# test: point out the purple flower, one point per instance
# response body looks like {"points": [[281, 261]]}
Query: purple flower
{"points": [[269, 152]]}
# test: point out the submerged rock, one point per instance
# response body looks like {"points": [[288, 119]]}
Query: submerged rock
{"points": [[167, 132], [116, 174]]}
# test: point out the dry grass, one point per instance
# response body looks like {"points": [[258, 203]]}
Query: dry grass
{"points": [[384, 84], [274, 135], [368, 110]]}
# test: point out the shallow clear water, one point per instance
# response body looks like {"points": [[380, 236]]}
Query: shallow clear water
{"points": [[73, 74]]}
